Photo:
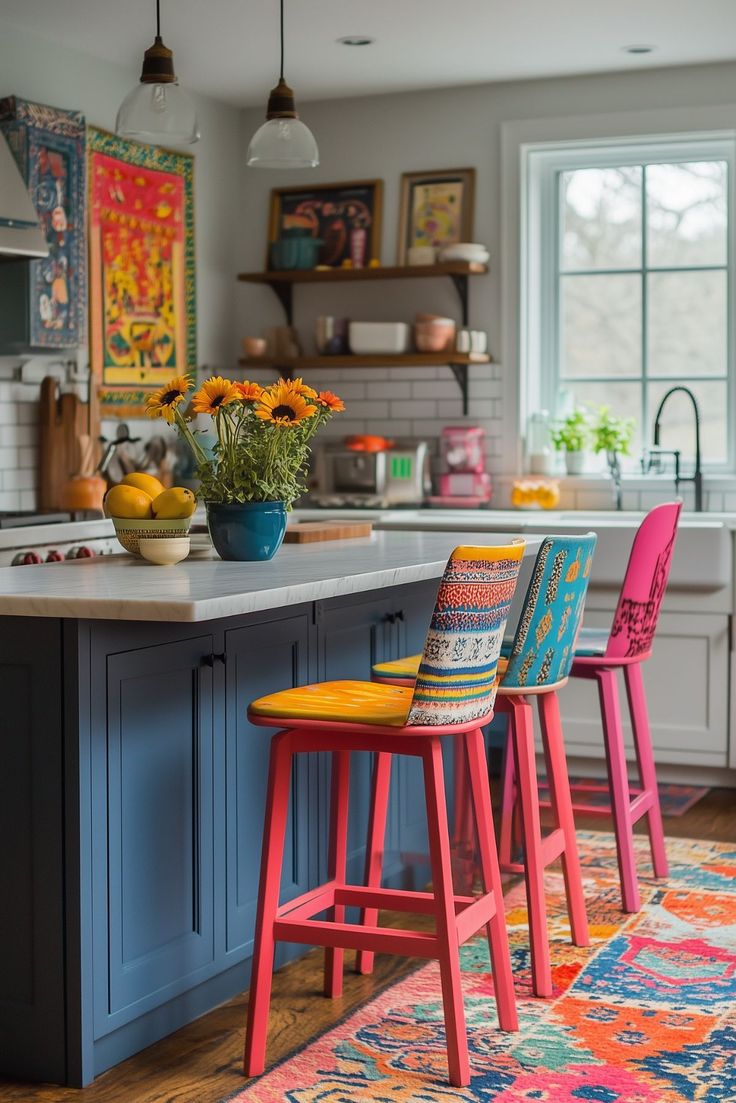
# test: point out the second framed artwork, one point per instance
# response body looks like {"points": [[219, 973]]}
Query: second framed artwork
{"points": [[325, 224], [436, 209]]}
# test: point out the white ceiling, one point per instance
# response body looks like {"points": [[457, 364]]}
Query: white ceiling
{"points": [[229, 48]]}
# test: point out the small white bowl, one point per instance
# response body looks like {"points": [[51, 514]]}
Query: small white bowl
{"points": [[164, 551]]}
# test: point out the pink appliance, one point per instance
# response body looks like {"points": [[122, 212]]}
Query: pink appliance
{"points": [[465, 483]]}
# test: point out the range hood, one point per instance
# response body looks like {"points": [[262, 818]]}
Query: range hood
{"points": [[20, 232]]}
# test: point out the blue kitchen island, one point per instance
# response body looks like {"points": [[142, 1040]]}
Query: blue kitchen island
{"points": [[132, 786]]}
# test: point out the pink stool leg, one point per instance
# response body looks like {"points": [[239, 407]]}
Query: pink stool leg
{"points": [[618, 780], [272, 855], [448, 949], [337, 861], [374, 848], [561, 801], [645, 760], [508, 804], [522, 733], [498, 941]]}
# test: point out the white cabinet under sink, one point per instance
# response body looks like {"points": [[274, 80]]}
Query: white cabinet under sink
{"points": [[687, 691]]}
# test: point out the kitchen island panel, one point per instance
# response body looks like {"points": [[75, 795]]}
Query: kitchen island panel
{"points": [[32, 1012]]}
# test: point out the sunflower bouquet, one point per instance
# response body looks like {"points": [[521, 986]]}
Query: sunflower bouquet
{"points": [[263, 434]]}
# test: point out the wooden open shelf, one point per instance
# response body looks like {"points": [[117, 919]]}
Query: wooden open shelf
{"points": [[353, 275], [457, 362], [297, 364], [282, 284]]}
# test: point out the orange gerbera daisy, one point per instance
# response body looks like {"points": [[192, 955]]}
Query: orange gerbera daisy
{"points": [[249, 392], [283, 405], [301, 388], [163, 402], [214, 393], [330, 401]]}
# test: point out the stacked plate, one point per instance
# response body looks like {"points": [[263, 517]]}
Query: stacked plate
{"points": [[466, 250]]}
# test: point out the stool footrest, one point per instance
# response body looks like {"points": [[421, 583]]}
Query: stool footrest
{"points": [[295, 922], [349, 936]]}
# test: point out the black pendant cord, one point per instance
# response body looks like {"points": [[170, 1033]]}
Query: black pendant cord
{"points": [[281, 74], [158, 18]]}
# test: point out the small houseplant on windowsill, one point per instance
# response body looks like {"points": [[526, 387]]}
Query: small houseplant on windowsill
{"points": [[612, 435], [258, 463], [571, 437]]}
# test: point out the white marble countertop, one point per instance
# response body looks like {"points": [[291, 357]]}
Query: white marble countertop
{"points": [[123, 588]]}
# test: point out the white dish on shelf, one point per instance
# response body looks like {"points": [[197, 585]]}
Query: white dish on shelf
{"points": [[378, 338], [465, 250]]}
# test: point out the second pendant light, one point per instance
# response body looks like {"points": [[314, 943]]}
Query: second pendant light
{"points": [[283, 142]]}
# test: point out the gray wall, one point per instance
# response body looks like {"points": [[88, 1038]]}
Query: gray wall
{"points": [[383, 136]]}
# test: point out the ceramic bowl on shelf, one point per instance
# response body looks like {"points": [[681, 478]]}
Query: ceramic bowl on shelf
{"points": [[165, 552], [254, 347], [378, 338], [469, 251]]}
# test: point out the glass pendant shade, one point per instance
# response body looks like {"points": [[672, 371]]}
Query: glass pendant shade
{"points": [[283, 144], [158, 113]]}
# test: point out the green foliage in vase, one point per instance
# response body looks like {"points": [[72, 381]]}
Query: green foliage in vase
{"points": [[264, 435], [610, 433]]}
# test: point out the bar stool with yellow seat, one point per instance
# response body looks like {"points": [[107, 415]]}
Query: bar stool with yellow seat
{"points": [[453, 695], [540, 657]]}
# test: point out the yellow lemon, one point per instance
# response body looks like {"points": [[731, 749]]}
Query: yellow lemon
{"points": [[128, 502], [147, 483], [174, 504]]}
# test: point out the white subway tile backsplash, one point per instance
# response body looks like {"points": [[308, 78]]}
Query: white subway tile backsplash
{"points": [[10, 499], [389, 388], [414, 408], [20, 479]]}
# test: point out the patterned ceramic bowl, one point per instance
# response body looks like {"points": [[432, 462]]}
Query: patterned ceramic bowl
{"points": [[129, 531]]}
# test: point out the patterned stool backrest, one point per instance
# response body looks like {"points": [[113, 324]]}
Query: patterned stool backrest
{"points": [[457, 675], [544, 644], [645, 581]]}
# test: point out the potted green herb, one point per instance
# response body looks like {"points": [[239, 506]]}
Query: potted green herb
{"points": [[612, 435], [571, 437]]}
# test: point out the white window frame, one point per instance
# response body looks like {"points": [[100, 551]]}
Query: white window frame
{"points": [[541, 167]]}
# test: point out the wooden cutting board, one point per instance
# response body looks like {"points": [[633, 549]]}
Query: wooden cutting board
{"points": [[310, 532]]}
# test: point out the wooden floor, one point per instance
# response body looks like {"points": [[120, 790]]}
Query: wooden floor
{"points": [[202, 1062]]}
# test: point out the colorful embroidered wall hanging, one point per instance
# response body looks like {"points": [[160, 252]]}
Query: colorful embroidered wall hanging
{"points": [[141, 216]]}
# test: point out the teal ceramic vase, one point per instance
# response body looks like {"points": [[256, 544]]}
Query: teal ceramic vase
{"points": [[246, 531]]}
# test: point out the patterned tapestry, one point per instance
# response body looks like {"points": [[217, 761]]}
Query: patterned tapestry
{"points": [[48, 146], [141, 226]]}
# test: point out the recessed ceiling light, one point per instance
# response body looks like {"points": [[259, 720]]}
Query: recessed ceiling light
{"points": [[638, 49], [356, 40]]}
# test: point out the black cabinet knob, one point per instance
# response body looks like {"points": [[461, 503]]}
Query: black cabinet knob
{"points": [[210, 660]]}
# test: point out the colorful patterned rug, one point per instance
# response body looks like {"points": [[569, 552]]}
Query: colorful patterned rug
{"points": [[674, 800], [646, 1014]]}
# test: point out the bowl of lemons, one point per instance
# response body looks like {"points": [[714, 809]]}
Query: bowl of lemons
{"points": [[141, 507]]}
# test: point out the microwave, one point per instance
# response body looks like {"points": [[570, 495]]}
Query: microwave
{"points": [[397, 476]]}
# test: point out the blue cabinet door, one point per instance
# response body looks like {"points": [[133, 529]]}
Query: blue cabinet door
{"points": [[263, 658], [32, 1020], [152, 815]]}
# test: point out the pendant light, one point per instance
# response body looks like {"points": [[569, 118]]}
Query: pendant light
{"points": [[283, 142], [158, 110]]}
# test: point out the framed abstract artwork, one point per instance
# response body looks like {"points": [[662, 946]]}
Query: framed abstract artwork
{"points": [[141, 263], [436, 209], [48, 146], [345, 219]]}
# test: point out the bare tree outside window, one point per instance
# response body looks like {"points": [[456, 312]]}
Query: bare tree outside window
{"points": [[642, 281]]}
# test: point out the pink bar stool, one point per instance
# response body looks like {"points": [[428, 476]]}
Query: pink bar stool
{"points": [[539, 663], [454, 696], [598, 656]]}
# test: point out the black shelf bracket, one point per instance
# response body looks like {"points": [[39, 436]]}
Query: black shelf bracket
{"points": [[461, 286], [284, 293], [460, 371]]}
